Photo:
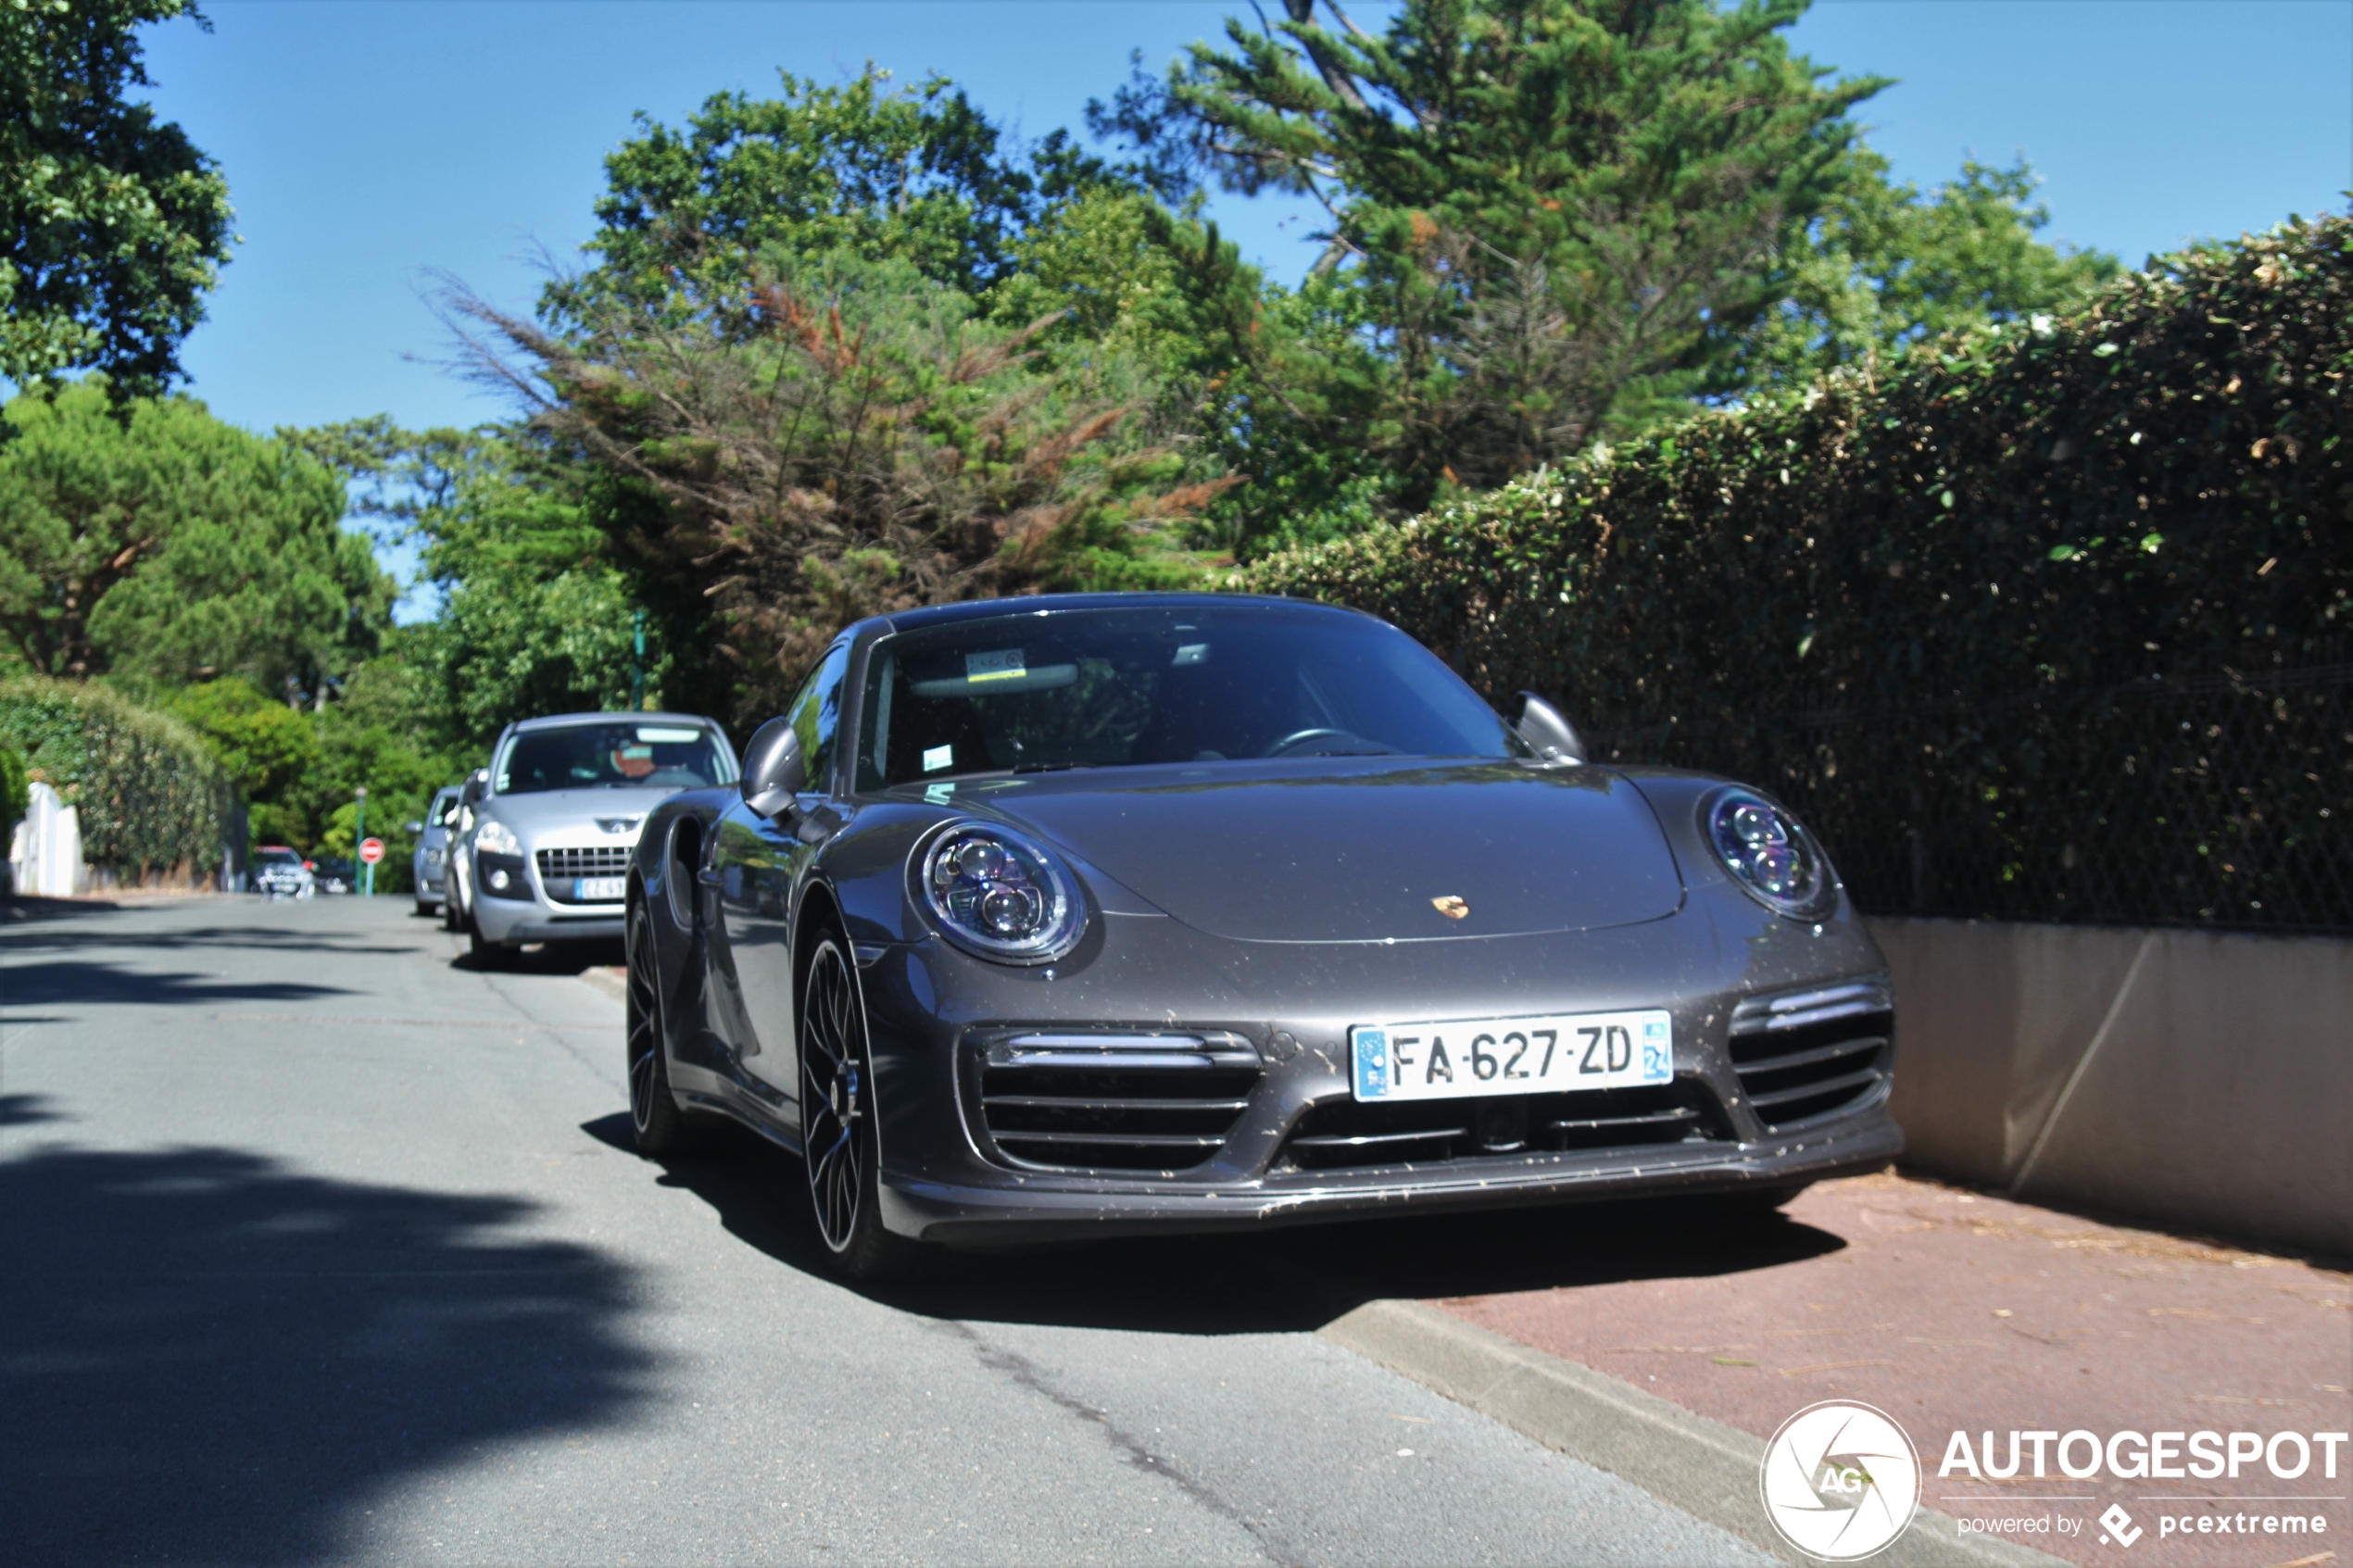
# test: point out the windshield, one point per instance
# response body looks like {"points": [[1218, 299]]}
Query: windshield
{"points": [[611, 756], [279, 858], [1197, 684]]}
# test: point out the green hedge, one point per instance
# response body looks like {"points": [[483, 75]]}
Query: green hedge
{"points": [[149, 797], [14, 791], [1964, 608]]}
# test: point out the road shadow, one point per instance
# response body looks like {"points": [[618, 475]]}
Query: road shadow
{"points": [[1289, 1277], [269, 938], [205, 1356], [24, 908], [25, 1111], [63, 982]]}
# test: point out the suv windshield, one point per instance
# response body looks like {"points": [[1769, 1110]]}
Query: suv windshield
{"points": [[1197, 684], [610, 756]]}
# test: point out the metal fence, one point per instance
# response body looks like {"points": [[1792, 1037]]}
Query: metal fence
{"points": [[2218, 801]]}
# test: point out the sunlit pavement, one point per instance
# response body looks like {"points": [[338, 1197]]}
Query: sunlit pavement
{"points": [[1954, 1311], [321, 1246]]}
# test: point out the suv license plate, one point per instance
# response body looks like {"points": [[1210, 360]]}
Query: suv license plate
{"points": [[1467, 1058], [599, 889]]}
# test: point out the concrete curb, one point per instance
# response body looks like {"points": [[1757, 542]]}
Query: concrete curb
{"points": [[1703, 1467]]}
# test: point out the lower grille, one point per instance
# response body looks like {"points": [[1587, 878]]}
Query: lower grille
{"points": [[558, 866], [1113, 1102], [1809, 1054], [1338, 1134]]}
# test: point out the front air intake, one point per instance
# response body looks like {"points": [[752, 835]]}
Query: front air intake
{"points": [[1805, 1055], [1084, 1102]]}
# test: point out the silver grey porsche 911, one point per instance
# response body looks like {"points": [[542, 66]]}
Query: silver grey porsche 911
{"points": [[1091, 915]]}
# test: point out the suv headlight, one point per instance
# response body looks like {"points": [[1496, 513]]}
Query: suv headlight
{"points": [[996, 893], [497, 839], [1769, 854]]}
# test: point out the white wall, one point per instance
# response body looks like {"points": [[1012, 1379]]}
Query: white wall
{"points": [[2195, 1078], [45, 853]]}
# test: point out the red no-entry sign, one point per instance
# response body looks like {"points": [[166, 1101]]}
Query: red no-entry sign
{"points": [[372, 850]]}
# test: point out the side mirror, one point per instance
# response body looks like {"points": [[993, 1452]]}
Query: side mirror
{"points": [[1542, 726], [414, 827], [477, 785], [774, 771]]}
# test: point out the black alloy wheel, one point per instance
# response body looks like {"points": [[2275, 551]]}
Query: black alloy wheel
{"points": [[839, 1147], [654, 1118]]}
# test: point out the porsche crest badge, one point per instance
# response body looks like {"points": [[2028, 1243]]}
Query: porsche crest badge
{"points": [[1451, 906]]}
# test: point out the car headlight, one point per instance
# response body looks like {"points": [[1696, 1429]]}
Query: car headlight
{"points": [[996, 893], [497, 837], [1768, 853]]}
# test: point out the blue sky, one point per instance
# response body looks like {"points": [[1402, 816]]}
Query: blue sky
{"points": [[371, 143]]}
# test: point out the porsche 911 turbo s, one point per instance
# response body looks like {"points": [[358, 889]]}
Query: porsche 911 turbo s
{"points": [[1091, 915]]}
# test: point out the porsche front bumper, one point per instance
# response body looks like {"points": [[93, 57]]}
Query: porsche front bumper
{"points": [[1046, 1207]]}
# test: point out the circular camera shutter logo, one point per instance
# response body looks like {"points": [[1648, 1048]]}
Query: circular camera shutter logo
{"points": [[1841, 1481]]}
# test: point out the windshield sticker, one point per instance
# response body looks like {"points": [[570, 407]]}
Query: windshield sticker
{"points": [[1006, 666], [939, 794], [938, 757], [673, 737], [1190, 654]]}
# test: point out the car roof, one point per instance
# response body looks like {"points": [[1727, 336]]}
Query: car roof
{"points": [[558, 721], [1047, 604]]}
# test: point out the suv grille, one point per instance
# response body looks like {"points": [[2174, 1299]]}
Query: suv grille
{"points": [[1113, 1102], [558, 867], [1807, 1054], [1345, 1132]]}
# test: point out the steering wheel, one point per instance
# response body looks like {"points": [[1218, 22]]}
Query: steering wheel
{"points": [[1298, 738]]}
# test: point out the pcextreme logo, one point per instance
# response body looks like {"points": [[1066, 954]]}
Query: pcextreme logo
{"points": [[1839, 1481]]}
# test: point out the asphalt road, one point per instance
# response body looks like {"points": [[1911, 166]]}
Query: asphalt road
{"points": [[315, 1244]]}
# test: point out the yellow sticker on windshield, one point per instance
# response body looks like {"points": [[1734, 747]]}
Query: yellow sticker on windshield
{"points": [[1006, 666]]}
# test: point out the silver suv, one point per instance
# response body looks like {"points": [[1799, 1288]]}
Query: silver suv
{"points": [[540, 849]]}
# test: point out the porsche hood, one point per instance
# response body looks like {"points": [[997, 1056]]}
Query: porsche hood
{"points": [[1367, 851]]}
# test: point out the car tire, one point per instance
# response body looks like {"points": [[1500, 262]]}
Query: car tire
{"points": [[425, 907], [486, 953], [656, 1123], [839, 1143]]}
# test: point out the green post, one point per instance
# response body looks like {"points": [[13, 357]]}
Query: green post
{"points": [[638, 670], [359, 836]]}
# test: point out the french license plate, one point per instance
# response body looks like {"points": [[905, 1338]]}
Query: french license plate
{"points": [[1462, 1059], [599, 889]]}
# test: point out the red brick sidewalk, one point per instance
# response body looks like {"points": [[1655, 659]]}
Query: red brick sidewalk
{"points": [[1956, 1311]]}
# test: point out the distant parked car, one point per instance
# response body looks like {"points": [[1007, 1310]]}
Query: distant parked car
{"points": [[279, 873], [432, 849], [541, 849], [334, 874]]}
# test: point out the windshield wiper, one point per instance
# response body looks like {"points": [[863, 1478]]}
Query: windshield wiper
{"points": [[1054, 766]]}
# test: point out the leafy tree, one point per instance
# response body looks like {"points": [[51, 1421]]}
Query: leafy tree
{"points": [[112, 224], [849, 438], [16, 790], [177, 547], [1546, 203], [265, 745], [913, 173], [1880, 268], [534, 618]]}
